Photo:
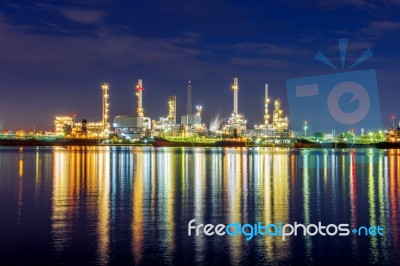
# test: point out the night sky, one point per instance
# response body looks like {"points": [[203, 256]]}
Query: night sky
{"points": [[54, 57]]}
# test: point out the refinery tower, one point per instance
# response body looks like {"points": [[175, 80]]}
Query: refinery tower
{"points": [[139, 98], [136, 126], [278, 127], [236, 124], [106, 106]]}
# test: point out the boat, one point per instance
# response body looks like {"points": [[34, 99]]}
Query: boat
{"points": [[231, 143], [302, 143], [387, 145], [161, 142]]}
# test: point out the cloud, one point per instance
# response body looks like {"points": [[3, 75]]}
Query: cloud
{"points": [[379, 28], [259, 62], [106, 46], [264, 48], [384, 25], [187, 37], [330, 5], [352, 46], [80, 15], [84, 16]]}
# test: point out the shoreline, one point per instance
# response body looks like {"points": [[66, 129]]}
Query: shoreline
{"points": [[226, 144]]}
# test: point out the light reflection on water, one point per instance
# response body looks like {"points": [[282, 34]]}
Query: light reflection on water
{"points": [[106, 205]]}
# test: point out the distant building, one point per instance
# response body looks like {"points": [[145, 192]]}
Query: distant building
{"points": [[88, 129], [131, 127], [191, 123], [393, 135], [63, 125]]}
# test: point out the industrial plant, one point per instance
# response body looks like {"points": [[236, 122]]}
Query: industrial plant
{"points": [[137, 126], [66, 125], [189, 129]]}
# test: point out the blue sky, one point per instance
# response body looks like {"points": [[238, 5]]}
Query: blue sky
{"points": [[55, 56]]}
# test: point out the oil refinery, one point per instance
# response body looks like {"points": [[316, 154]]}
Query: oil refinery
{"points": [[136, 126], [274, 130], [188, 129]]}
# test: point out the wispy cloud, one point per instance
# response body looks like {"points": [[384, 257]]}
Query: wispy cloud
{"points": [[345, 3], [80, 15], [187, 37], [333, 5], [79, 52], [84, 16], [380, 28], [264, 48], [352, 46], [384, 25], [260, 62]]}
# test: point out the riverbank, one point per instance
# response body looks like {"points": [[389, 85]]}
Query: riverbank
{"points": [[160, 142]]}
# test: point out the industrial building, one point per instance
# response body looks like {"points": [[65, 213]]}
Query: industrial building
{"points": [[393, 134], [166, 126], [191, 122], [63, 125], [130, 127], [134, 127]]}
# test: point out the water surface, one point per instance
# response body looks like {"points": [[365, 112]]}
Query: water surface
{"points": [[109, 205]]}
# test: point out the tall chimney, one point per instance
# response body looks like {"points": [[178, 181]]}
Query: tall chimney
{"points": [[189, 100]]}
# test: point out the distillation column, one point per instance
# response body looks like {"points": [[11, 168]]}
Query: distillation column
{"points": [[277, 111], [266, 115], [106, 125]]}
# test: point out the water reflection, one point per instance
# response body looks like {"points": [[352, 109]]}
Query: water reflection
{"points": [[138, 209], [103, 223], [134, 203], [20, 200], [81, 201]]}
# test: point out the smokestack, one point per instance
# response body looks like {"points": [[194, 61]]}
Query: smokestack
{"points": [[84, 126], [189, 100], [235, 88], [139, 107]]}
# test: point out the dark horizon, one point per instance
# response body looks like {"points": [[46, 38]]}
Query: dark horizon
{"points": [[55, 57]]}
